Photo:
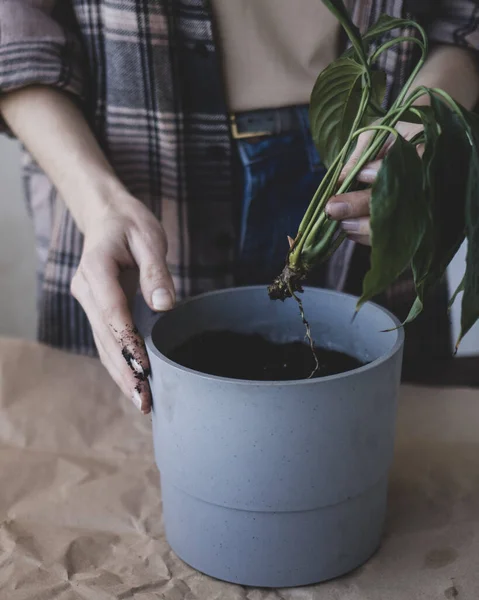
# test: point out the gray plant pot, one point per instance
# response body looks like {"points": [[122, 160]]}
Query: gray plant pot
{"points": [[276, 484]]}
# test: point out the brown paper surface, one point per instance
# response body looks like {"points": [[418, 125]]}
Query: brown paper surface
{"points": [[80, 510]]}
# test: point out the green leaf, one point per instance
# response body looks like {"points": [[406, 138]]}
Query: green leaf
{"points": [[460, 288], [470, 299], [398, 217], [418, 115], [423, 257], [415, 311], [445, 179], [335, 102]]}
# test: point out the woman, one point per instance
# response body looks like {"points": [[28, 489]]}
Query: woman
{"points": [[138, 136]]}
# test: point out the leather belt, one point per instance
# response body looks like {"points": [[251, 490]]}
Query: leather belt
{"points": [[271, 121]]}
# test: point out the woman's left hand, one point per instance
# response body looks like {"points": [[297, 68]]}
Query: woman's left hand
{"points": [[353, 208]]}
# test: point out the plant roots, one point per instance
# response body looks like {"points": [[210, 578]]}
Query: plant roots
{"points": [[288, 283]]}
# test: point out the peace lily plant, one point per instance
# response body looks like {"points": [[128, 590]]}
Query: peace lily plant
{"points": [[422, 209]]}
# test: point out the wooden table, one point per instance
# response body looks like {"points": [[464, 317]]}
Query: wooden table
{"points": [[80, 511]]}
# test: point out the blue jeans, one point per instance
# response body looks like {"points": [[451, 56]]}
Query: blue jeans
{"points": [[280, 174]]}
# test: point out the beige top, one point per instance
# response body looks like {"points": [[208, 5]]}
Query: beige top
{"points": [[273, 50]]}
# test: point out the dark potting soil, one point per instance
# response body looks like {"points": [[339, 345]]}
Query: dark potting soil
{"points": [[241, 356]]}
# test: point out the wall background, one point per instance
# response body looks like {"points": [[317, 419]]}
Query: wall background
{"points": [[17, 259], [17, 255]]}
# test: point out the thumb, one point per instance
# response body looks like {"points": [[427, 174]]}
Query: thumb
{"points": [[156, 282]]}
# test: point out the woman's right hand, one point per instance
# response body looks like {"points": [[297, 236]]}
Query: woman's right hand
{"points": [[125, 238], [122, 237]]}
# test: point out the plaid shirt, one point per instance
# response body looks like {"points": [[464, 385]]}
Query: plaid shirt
{"points": [[148, 76]]}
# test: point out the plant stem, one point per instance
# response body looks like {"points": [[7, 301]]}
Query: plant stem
{"points": [[395, 41], [318, 194], [314, 219], [325, 239], [424, 50], [322, 195], [384, 131], [391, 130]]}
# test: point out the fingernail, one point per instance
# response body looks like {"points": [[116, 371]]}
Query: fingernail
{"points": [[161, 299], [337, 210], [137, 400], [352, 225], [368, 175], [138, 368]]}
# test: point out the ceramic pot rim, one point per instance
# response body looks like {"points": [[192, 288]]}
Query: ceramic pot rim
{"points": [[247, 382]]}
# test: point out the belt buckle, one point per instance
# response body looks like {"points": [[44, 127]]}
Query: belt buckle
{"points": [[249, 134]]}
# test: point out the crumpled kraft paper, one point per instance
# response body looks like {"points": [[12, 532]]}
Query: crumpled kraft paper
{"points": [[80, 508]]}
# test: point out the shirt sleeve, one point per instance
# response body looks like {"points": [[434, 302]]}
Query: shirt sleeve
{"points": [[455, 22], [37, 46]]}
